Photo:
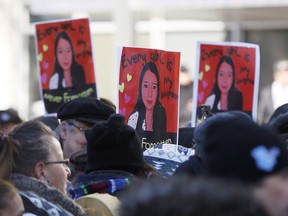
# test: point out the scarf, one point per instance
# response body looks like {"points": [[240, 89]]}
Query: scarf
{"points": [[49, 196], [97, 183]]}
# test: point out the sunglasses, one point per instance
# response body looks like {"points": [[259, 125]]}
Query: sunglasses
{"points": [[79, 128], [66, 162]]}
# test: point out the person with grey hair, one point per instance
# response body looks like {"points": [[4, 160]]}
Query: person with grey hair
{"points": [[32, 159], [274, 94], [76, 116]]}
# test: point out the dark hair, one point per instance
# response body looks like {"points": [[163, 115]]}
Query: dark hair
{"points": [[216, 89], [58, 69], [158, 108], [26, 145], [8, 191], [147, 172], [183, 196], [108, 102]]}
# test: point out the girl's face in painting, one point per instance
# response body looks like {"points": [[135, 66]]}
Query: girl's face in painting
{"points": [[64, 54], [225, 77], [149, 89]]}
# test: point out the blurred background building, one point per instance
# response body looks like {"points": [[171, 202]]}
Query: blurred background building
{"points": [[165, 24]]}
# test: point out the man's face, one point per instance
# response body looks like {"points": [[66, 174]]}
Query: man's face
{"points": [[74, 139]]}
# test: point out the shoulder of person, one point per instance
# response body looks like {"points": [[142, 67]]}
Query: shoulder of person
{"points": [[31, 209], [133, 119], [266, 89], [210, 100], [53, 81], [97, 204], [192, 166]]}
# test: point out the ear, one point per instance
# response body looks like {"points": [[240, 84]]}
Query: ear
{"points": [[63, 130], [39, 170]]}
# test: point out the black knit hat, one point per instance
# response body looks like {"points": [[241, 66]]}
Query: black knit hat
{"points": [[113, 145], [85, 109], [232, 145], [281, 110]]}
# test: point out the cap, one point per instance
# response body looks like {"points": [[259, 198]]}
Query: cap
{"points": [[85, 109]]}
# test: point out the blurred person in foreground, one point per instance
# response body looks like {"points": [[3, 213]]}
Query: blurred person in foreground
{"points": [[272, 193], [183, 196], [10, 201]]}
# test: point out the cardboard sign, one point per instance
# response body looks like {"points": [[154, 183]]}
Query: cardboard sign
{"points": [[148, 93], [226, 77], [65, 61]]}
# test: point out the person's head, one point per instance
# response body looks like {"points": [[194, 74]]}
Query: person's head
{"points": [[50, 121], [184, 196], [280, 73], [203, 112], [10, 201], [279, 122], [272, 192], [232, 145], [113, 145], [281, 110], [149, 91], [8, 120], [225, 75], [184, 77], [108, 102], [76, 116], [32, 150], [64, 53]]}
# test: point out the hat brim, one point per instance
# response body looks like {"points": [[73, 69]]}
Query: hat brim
{"points": [[90, 120]]}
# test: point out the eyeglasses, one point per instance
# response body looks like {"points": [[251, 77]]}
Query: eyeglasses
{"points": [[79, 128], [66, 162]]}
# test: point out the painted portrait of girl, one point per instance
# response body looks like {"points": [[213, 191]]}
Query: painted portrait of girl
{"points": [[148, 107], [225, 95], [67, 72], [65, 61]]}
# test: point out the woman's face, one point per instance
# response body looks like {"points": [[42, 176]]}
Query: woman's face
{"points": [[225, 77], [64, 54], [149, 89], [56, 173]]}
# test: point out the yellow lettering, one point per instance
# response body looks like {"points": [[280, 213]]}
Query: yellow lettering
{"points": [[52, 98], [147, 145]]}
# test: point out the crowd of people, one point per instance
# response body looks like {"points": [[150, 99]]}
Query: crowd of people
{"points": [[87, 161]]}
